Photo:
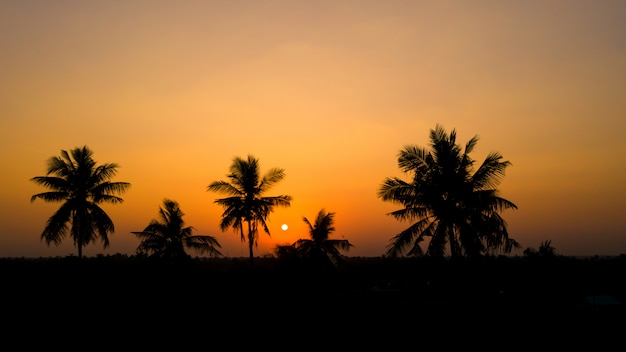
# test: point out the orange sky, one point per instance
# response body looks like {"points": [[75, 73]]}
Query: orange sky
{"points": [[328, 90]]}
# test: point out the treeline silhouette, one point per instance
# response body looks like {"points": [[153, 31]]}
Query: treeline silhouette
{"points": [[438, 280], [453, 208], [376, 297]]}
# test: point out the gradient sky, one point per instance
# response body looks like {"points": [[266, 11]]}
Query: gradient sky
{"points": [[330, 91]]}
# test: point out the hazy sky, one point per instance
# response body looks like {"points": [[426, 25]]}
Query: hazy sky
{"points": [[330, 91]]}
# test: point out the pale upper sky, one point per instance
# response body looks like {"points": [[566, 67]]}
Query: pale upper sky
{"points": [[330, 91]]}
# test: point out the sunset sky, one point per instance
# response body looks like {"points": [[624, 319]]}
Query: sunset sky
{"points": [[330, 91]]}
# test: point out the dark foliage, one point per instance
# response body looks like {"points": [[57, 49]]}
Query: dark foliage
{"points": [[379, 302]]}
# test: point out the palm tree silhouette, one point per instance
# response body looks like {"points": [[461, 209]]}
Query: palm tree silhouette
{"points": [[449, 204], [168, 237], [80, 185], [546, 250], [320, 248], [246, 204]]}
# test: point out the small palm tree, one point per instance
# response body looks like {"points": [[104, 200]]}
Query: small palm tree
{"points": [[168, 237], [80, 185], [451, 204], [320, 249], [546, 250], [246, 206]]}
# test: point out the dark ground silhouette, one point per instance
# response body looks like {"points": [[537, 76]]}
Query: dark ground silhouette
{"points": [[491, 303]]}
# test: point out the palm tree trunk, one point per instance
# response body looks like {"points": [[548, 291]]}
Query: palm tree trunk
{"points": [[251, 243], [454, 250], [251, 254]]}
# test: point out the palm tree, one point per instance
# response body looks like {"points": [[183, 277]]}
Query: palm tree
{"points": [[169, 237], [246, 205], [546, 250], [451, 204], [320, 248], [80, 185]]}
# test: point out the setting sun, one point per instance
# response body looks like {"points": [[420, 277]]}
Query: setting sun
{"points": [[284, 227]]}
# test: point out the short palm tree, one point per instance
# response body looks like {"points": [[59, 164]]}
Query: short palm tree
{"points": [[320, 248], [168, 237], [246, 207], [450, 204], [80, 185], [546, 250]]}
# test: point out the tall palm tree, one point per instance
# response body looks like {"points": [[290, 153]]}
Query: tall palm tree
{"points": [[320, 248], [246, 206], [453, 206], [80, 185], [168, 237]]}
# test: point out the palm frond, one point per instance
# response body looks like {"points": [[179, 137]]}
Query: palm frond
{"points": [[447, 201], [75, 180]]}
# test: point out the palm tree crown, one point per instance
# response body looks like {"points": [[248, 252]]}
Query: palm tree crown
{"points": [[451, 204], [80, 185], [168, 237], [320, 246], [246, 205]]}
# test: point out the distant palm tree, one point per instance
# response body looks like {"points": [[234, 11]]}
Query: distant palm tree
{"points": [[80, 185], [168, 237], [246, 205], [451, 204], [546, 250], [320, 248]]}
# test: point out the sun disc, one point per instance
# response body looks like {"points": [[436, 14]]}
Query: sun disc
{"points": [[284, 227]]}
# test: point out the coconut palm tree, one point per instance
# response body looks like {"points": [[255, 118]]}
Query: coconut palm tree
{"points": [[246, 208], [80, 185], [320, 248], [452, 205], [168, 237], [546, 250]]}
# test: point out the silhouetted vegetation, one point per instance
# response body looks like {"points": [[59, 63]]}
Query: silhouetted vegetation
{"points": [[309, 286], [318, 251], [379, 300], [246, 204], [451, 205], [546, 250], [80, 185], [168, 237]]}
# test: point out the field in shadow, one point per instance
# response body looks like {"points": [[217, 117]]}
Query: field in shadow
{"points": [[368, 303]]}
